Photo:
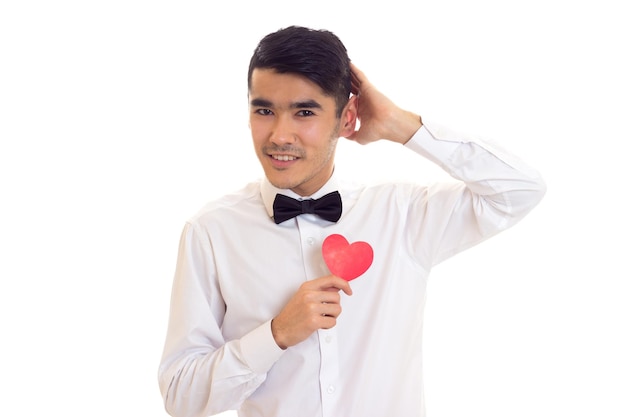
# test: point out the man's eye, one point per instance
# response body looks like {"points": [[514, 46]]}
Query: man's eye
{"points": [[264, 112], [306, 113]]}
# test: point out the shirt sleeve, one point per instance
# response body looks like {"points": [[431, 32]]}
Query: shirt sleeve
{"points": [[201, 373], [493, 191]]}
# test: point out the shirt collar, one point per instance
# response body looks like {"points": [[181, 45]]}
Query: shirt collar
{"points": [[268, 192]]}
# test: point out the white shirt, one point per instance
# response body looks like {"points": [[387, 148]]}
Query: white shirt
{"points": [[237, 269]]}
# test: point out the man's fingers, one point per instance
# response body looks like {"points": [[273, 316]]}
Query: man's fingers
{"points": [[356, 79], [330, 310], [330, 283]]}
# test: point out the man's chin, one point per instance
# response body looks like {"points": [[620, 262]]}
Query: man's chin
{"points": [[282, 184]]}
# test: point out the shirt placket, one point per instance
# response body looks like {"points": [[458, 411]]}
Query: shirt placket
{"points": [[311, 237]]}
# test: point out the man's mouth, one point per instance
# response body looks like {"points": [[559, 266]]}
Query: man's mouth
{"points": [[284, 157]]}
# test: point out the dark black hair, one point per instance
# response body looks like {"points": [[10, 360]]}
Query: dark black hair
{"points": [[318, 55]]}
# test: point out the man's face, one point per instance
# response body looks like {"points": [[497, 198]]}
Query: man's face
{"points": [[294, 129]]}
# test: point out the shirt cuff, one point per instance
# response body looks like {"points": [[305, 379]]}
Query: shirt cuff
{"points": [[435, 143], [259, 349]]}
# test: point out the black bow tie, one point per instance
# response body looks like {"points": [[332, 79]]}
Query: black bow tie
{"points": [[327, 207]]}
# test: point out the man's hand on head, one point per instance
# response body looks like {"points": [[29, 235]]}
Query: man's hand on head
{"points": [[379, 117]]}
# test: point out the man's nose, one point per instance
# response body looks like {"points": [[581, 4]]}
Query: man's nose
{"points": [[282, 130]]}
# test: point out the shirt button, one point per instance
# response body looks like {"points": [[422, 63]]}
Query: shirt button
{"points": [[310, 241], [328, 339], [330, 389]]}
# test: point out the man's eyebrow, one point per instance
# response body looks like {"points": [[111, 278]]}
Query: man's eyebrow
{"points": [[260, 102], [306, 104]]}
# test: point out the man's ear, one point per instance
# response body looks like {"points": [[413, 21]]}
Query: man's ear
{"points": [[349, 118]]}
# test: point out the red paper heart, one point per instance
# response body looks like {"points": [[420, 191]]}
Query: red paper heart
{"points": [[346, 260]]}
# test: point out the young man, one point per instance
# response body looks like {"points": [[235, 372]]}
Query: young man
{"points": [[257, 322]]}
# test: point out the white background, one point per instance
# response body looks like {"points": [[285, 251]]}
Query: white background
{"points": [[120, 119]]}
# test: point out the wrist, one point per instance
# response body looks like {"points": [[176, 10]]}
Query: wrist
{"points": [[276, 334], [406, 127]]}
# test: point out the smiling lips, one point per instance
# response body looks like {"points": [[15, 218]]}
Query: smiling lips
{"points": [[284, 157]]}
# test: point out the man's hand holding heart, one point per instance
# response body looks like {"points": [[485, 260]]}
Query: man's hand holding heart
{"points": [[316, 305]]}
